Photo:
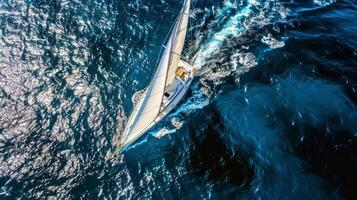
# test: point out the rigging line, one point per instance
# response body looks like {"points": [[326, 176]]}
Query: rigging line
{"points": [[200, 26], [149, 111], [190, 22], [182, 29], [182, 12], [143, 130], [156, 66], [178, 24], [179, 55], [159, 75], [159, 113], [172, 41], [156, 93], [161, 49], [171, 46], [194, 6]]}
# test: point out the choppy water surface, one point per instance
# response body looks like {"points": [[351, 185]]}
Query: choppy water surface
{"points": [[272, 114]]}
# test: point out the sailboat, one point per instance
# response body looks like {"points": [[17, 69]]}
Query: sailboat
{"points": [[168, 86]]}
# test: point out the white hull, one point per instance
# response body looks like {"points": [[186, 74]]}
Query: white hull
{"points": [[177, 90]]}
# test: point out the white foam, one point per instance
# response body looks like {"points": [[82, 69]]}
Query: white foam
{"points": [[197, 101], [176, 123], [272, 42], [324, 2], [233, 27], [162, 132]]}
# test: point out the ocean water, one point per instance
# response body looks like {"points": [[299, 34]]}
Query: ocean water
{"points": [[271, 114]]}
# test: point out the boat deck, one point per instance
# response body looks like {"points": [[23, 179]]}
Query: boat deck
{"points": [[179, 82], [175, 92]]}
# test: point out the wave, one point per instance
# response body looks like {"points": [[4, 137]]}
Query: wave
{"points": [[324, 3], [253, 125], [234, 27], [272, 42]]}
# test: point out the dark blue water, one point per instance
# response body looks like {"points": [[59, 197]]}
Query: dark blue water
{"points": [[272, 114]]}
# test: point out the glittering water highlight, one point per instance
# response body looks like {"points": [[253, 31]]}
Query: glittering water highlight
{"points": [[270, 115]]}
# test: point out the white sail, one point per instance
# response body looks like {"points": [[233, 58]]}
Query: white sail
{"points": [[149, 107], [178, 42]]}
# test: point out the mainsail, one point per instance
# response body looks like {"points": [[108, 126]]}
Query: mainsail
{"points": [[179, 41], [149, 107]]}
